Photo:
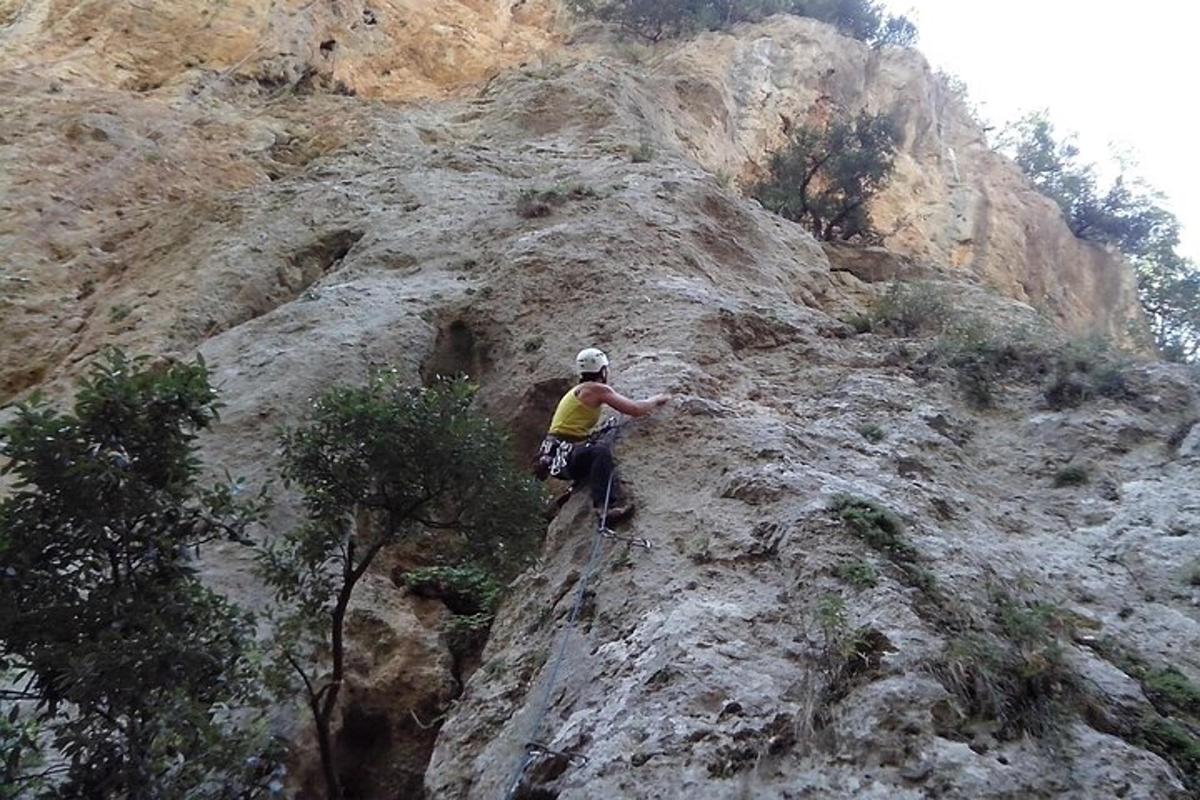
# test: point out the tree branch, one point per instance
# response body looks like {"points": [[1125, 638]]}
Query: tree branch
{"points": [[308, 687]]}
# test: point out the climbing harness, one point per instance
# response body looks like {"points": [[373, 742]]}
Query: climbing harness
{"points": [[535, 748], [554, 452]]}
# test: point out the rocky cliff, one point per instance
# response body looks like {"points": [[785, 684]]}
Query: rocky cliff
{"points": [[305, 191]]}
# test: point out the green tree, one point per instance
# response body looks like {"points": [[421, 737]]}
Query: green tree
{"points": [[22, 770], [825, 178], [1127, 215], [379, 464], [865, 20], [136, 669], [660, 19], [1169, 287]]}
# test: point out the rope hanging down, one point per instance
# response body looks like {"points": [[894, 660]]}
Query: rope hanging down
{"points": [[533, 747]]}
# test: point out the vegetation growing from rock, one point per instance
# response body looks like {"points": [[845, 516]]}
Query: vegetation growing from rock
{"points": [[533, 203], [1013, 673], [1175, 742], [848, 653], [1071, 372], [1073, 475], [825, 176], [379, 464], [908, 309], [135, 669], [470, 592], [1126, 214], [656, 20], [880, 528], [1172, 729], [984, 355], [1082, 370], [859, 574], [872, 433]]}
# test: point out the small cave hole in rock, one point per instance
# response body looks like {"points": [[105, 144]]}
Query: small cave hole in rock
{"points": [[533, 415], [381, 754], [316, 260], [457, 350], [328, 46], [363, 729]]}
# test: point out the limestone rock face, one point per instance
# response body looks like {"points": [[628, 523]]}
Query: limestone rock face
{"points": [[300, 238], [385, 49], [734, 97]]}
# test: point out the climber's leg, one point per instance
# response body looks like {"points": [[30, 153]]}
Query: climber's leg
{"points": [[592, 464]]}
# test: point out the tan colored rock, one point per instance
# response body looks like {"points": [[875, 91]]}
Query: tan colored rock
{"points": [[386, 49], [299, 241], [874, 264], [952, 202]]}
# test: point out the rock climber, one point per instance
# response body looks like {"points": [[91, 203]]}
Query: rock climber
{"points": [[575, 449]]}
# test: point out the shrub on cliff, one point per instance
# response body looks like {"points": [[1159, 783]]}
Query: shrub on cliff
{"points": [[132, 666], [1126, 214], [660, 19], [825, 177], [378, 465]]}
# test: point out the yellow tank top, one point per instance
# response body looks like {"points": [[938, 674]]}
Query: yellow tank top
{"points": [[572, 419]]}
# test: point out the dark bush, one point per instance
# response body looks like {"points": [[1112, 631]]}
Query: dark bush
{"points": [[880, 528], [1073, 475], [378, 465], [660, 19], [825, 177], [132, 665]]}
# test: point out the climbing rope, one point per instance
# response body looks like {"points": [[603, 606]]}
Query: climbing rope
{"points": [[533, 747]]}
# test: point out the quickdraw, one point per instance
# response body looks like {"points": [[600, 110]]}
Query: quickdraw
{"points": [[536, 749], [632, 541]]}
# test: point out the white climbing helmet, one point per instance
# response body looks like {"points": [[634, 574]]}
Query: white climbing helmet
{"points": [[590, 360]]}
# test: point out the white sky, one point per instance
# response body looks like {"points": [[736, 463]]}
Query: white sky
{"points": [[1119, 72]]}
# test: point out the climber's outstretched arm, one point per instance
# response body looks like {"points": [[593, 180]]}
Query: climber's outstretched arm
{"points": [[597, 394]]}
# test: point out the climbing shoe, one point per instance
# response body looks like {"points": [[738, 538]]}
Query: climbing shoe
{"points": [[620, 512]]}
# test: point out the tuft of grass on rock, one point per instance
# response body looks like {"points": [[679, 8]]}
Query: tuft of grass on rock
{"points": [[908, 309], [848, 653], [1172, 729], [859, 574], [1082, 370], [1073, 475], [1016, 674], [880, 528], [872, 433], [1174, 742], [533, 203], [642, 154]]}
